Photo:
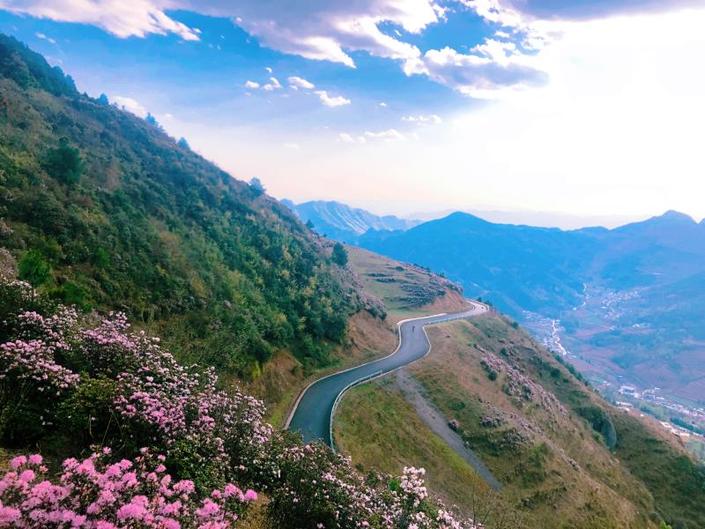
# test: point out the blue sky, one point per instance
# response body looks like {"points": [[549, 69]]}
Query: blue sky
{"points": [[588, 107]]}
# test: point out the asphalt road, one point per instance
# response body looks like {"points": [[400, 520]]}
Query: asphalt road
{"points": [[312, 415]]}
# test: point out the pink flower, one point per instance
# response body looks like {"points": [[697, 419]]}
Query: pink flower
{"points": [[131, 511], [9, 515], [250, 495], [17, 462]]}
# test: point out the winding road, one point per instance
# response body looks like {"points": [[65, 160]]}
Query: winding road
{"points": [[313, 412]]}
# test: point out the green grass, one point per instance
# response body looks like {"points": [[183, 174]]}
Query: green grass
{"points": [[380, 430]]}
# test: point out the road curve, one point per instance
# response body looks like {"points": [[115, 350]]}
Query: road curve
{"points": [[313, 412]]}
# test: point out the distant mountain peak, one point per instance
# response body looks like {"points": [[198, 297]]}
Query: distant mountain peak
{"points": [[675, 216], [345, 223]]}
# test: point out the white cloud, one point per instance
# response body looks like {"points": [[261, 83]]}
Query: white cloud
{"points": [[332, 101], [315, 29], [321, 30], [345, 137], [488, 70], [267, 68], [136, 18], [293, 146], [383, 104], [433, 119], [252, 85], [44, 37], [130, 104], [386, 135], [296, 82], [272, 85]]}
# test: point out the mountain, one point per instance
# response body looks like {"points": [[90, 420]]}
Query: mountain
{"points": [[602, 284], [344, 223], [517, 267], [103, 210]]}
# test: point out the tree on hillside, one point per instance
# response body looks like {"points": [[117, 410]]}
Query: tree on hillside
{"points": [[340, 254], [183, 143], [153, 121], [64, 163], [103, 100], [257, 185]]}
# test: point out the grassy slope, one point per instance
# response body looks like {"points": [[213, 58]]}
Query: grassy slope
{"points": [[561, 473], [406, 290], [395, 437]]}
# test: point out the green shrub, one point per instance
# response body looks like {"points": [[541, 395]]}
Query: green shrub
{"points": [[340, 255], [34, 269], [64, 163]]}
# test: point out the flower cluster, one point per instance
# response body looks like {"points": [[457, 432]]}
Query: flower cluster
{"points": [[31, 357], [95, 494], [319, 489]]}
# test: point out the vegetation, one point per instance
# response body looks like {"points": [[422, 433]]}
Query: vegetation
{"points": [[407, 290], [105, 211], [168, 443], [340, 255]]}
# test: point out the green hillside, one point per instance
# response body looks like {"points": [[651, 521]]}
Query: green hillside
{"points": [[103, 210]]}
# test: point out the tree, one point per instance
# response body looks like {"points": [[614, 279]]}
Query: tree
{"points": [[64, 163], [34, 268], [103, 100], [340, 254], [183, 144], [257, 186], [309, 224]]}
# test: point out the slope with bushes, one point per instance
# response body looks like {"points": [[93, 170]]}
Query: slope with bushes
{"points": [[103, 210]]}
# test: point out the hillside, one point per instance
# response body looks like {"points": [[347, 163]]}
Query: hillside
{"points": [[344, 223], [628, 299], [103, 210], [564, 457]]}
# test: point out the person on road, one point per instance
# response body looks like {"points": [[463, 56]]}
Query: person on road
{"points": [[413, 328]]}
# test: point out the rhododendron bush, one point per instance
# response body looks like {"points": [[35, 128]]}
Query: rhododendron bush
{"points": [[57, 361], [90, 380], [96, 494]]}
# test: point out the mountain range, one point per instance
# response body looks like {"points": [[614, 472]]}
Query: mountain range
{"points": [[344, 223], [602, 284]]}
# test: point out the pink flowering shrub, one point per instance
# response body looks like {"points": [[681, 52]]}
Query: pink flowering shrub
{"points": [[320, 489], [32, 377], [95, 494], [108, 384]]}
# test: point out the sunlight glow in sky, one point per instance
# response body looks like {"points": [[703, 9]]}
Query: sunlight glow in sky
{"points": [[587, 107]]}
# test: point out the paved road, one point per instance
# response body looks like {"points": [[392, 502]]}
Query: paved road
{"points": [[312, 415]]}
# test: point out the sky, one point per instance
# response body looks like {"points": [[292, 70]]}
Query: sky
{"points": [[587, 108]]}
